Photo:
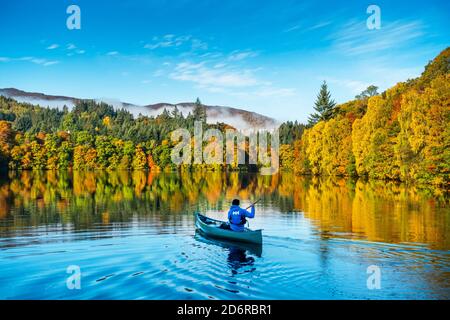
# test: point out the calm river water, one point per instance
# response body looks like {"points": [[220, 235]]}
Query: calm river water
{"points": [[132, 235]]}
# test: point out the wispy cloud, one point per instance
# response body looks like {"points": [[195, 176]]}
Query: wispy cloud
{"points": [[211, 55], [319, 25], [112, 53], [293, 28], [302, 28], [171, 40], [53, 46], [241, 55], [355, 86], [39, 61], [355, 38], [73, 49], [197, 44], [166, 41], [224, 79], [212, 77]]}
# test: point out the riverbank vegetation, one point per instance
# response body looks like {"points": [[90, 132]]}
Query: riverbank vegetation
{"points": [[401, 134], [83, 199]]}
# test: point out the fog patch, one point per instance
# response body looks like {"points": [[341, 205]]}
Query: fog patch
{"points": [[54, 104]]}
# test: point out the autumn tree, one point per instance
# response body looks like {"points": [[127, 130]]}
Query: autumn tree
{"points": [[140, 159], [6, 142]]}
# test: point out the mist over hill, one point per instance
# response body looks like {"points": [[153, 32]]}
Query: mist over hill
{"points": [[235, 117]]}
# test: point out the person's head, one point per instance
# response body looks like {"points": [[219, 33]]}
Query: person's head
{"points": [[235, 202]]}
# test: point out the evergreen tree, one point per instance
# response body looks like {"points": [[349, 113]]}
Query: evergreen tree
{"points": [[23, 123], [324, 106], [199, 111]]}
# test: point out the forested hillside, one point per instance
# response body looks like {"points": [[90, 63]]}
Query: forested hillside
{"points": [[91, 136], [402, 134]]}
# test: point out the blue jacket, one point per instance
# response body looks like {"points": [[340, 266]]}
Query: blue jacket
{"points": [[237, 215]]}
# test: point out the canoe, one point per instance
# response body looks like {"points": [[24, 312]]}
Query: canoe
{"points": [[254, 249], [212, 228]]}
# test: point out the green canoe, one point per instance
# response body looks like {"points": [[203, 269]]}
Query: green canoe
{"points": [[212, 228]]}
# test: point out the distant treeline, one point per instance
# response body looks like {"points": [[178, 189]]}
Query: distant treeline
{"points": [[96, 136]]}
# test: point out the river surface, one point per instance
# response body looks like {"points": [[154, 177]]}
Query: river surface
{"points": [[132, 236]]}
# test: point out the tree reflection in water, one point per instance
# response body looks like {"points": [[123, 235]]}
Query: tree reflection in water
{"points": [[81, 200]]}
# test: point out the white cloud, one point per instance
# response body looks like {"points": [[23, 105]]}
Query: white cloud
{"points": [[73, 49], [50, 63], [241, 55], [211, 55], [162, 44], [166, 41], [112, 53], [39, 61], [355, 86], [197, 44], [222, 79], [355, 38], [53, 46], [319, 25], [209, 77], [295, 27], [171, 40], [219, 65]]}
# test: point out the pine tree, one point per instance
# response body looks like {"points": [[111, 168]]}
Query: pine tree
{"points": [[199, 111], [324, 106]]}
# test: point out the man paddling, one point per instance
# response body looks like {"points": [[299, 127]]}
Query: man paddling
{"points": [[237, 216]]}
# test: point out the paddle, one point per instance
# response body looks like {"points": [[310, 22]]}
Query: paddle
{"points": [[248, 224], [253, 204]]}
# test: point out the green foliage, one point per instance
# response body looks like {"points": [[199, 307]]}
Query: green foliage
{"points": [[369, 92], [90, 136], [23, 123], [290, 131], [402, 134], [438, 67], [324, 106], [199, 111]]}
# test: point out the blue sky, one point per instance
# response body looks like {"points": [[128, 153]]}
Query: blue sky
{"points": [[264, 56]]}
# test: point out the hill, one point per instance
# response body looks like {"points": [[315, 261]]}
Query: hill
{"points": [[401, 134], [235, 117]]}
